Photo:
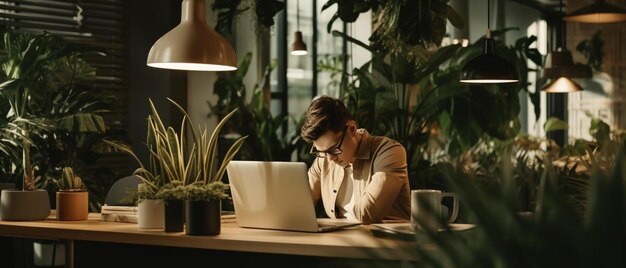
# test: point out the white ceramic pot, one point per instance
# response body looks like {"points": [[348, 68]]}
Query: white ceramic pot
{"points": [[151, 214]]}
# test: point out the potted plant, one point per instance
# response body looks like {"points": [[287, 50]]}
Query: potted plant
{"points": [[151, 207], [173, 196], [72, 198], [50, 115], [177, 160], [203, 207], [150, 211], [161, 194], [205, 193]]}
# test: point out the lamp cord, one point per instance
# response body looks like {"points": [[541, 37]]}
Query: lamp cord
{"points": [[561, 25], [298, 15], [488, 15], [488, 35]]}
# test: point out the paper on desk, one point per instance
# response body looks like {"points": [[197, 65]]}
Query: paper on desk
{"points": [[229, 218]]}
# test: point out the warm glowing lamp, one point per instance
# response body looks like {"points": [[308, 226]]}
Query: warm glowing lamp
{"points": [[598, 12], [193, 45], [562, 85]]}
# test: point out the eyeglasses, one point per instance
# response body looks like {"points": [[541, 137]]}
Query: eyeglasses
{"points": [[335, 150]]}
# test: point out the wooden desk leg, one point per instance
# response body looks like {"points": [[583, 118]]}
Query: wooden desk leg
{"points": [[69, 253]]}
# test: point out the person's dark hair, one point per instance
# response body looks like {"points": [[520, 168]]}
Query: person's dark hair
{"points": [[325, 113]]}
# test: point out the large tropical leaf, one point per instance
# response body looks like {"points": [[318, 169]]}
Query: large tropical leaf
{"points": [[50, 109], [82, 122]]}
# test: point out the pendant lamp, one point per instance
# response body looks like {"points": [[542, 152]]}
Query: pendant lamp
{"points": [[562, 85], [560, 68], [560, 63], [598, 12], [193, 45], [298, 48], [488, 68]]}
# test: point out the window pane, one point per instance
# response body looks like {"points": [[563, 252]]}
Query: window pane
{"points": [[299, 68]]}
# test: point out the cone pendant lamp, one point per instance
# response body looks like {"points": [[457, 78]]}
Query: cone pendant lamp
{"points": [[488, 68], [598, 12], [560, 68], [298, 48], [562, 85], [193, 45], [560, 63]]}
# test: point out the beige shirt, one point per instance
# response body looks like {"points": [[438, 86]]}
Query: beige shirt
{"points": [[345, 196], [380, 185]]}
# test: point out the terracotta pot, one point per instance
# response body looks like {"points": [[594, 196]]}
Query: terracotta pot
{"points": [[72, 206]]}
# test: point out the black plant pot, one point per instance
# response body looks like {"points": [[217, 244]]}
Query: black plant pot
{"points": [[203, 217], [174, 216]]}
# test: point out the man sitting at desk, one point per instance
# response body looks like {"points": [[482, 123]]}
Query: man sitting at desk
{"points": [[358, 176]]}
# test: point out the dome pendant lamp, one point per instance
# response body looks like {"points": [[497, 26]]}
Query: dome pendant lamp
{"points": [[488, 68], [598, 12], [298, 48], [193, 45]]}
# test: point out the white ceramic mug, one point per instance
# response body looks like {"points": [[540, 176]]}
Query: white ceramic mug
{"points": [[426, 209]]}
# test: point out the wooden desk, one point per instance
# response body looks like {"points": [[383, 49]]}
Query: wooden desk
{"points": [[356, 242]]}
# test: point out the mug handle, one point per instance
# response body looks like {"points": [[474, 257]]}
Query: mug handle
{"points": [[455, 206]]}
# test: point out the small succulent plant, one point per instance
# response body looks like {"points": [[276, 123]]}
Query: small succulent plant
{"points": [[70, 182]]}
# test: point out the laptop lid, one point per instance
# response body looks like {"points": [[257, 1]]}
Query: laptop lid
{"points": [[273, 195]]}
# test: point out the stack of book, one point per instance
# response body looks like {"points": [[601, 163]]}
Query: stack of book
{"points": [[119, 213]]}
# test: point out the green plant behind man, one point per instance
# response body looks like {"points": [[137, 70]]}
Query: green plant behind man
{"points": [[255, 120], [396, 96]]}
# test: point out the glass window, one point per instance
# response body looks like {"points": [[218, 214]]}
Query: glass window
{"points": [[298, 71]]}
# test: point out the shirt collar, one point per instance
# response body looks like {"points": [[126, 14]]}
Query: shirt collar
{"points": [[363, 148]]}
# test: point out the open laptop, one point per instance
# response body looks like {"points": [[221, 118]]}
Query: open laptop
{"points": [[276, 195]]}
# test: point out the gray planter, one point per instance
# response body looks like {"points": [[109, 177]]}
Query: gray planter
{"points": [[18, 205], [6, 185]]}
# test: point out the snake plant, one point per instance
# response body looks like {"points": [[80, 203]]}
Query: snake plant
{"points": [[177, 161]]}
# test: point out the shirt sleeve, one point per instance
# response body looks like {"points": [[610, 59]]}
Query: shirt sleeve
{"points": [[389, 175]]}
